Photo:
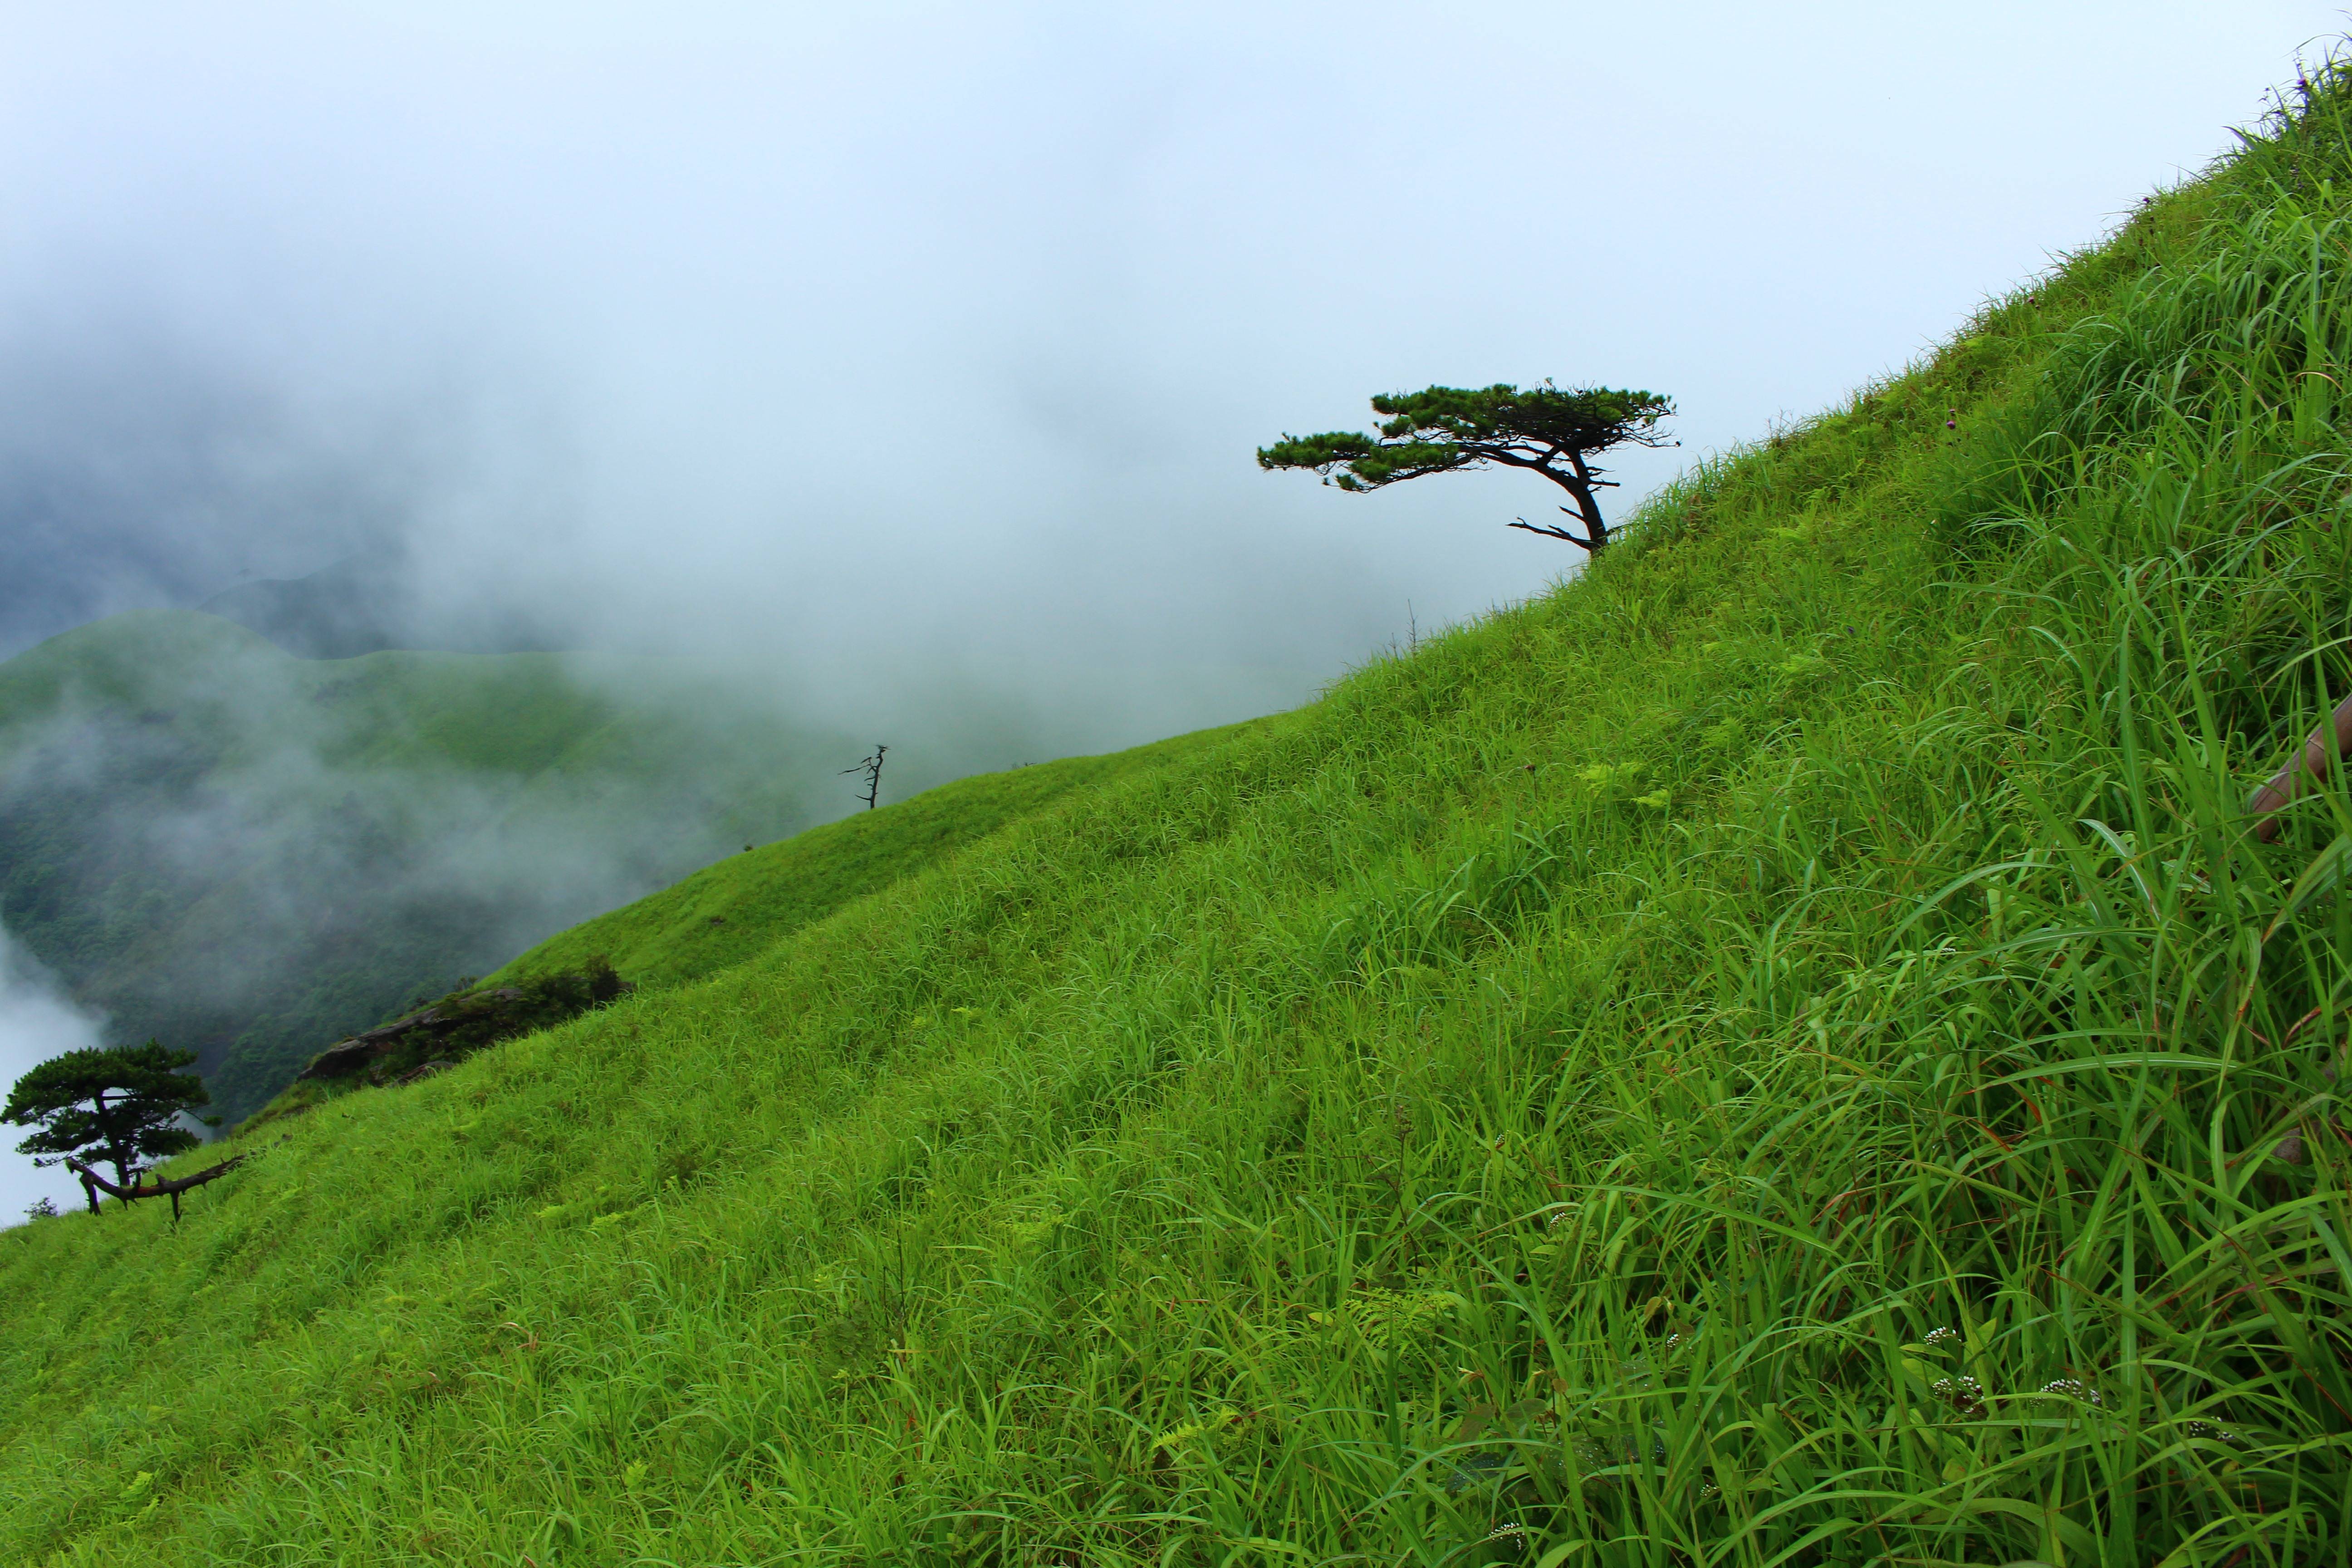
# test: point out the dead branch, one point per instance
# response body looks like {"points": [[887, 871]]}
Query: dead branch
{"points": [[92, 1184], [871, 768], [2313, 760]]}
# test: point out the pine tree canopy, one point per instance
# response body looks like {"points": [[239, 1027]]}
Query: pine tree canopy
{"points": [[1442, 428], [115, 1105]]}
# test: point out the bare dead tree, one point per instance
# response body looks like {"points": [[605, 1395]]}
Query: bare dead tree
{"points": [[871, 768]]}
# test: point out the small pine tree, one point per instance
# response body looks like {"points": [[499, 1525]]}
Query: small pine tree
{"points": [[117, 1105]]}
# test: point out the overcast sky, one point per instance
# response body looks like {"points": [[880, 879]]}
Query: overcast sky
{"points": [[874, 339], [954, 327]]}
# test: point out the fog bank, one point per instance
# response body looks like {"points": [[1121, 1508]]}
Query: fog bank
{"points": [[913, 338]]}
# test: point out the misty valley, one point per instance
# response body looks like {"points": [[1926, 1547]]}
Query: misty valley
{"points": [[209, 842]]}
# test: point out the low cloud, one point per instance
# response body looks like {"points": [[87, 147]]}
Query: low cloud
{"points": [[945, 338]]}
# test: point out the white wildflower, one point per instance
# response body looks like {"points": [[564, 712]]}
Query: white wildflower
{"points": [[1963, 1394]]}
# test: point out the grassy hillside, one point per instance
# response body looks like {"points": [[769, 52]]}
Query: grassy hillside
{"points": [[729, 911], [1784, 1050], [249, 854]]}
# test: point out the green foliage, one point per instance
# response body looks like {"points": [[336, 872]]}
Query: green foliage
{"points": [[1832, 1081], [1445, 428], [116, 1105]]}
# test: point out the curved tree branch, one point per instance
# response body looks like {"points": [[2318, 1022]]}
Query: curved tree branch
{"points": [[2313, 760], [1550, 532], [92, 1184]]}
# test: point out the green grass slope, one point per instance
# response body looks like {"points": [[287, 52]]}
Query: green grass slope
{"points": [[248, 854], [1783, 1051], [729, 911]]}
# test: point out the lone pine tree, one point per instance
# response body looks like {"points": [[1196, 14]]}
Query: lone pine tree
{"points": [[113, 1105], [1442, 428]]}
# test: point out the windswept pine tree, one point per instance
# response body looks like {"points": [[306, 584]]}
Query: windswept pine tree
{"points": [[1448, 429]]}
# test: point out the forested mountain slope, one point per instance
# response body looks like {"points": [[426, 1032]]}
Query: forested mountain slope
{"points": [[1784, 1050]]}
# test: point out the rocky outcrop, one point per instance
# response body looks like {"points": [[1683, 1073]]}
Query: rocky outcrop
{"points": [[362, 1051], [435, 1037]]}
